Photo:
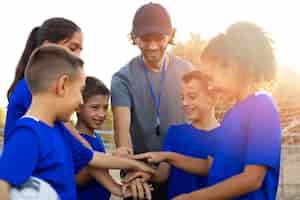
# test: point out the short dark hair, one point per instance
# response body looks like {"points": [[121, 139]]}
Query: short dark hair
{"points": [[93, 87], [47, 63], [198, 76], [248, 46]]}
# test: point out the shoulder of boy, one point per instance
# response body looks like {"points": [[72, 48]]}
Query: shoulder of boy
{"points": [[25, 123]]}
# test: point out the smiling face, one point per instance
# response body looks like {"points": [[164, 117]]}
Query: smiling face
{"points": [[196, 101], [93, 112], [153, 47]]}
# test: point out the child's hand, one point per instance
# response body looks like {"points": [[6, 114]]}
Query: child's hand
{"points": [[123, 152], [126, 191], [133, 175], [137, 189], [151, 157]]}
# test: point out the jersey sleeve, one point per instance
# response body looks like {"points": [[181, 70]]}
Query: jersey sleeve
{"points": [[18, 104], [20, 156], [81, 155]]}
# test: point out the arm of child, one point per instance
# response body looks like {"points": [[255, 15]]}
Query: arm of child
{"points": [[83, 177], [103, 177], [76, 134], [83, 157], [193, 165], [161, 174], [101, 160], [4, 190], [248, 181]]}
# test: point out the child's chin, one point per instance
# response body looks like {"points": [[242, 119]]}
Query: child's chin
{"points": [[190, 118], [97, 127]]}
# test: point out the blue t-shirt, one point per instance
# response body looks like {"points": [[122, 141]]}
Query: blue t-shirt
{"points": [[93, 190], [187, 140], [250, 134], [18, 104], [49, 153]]}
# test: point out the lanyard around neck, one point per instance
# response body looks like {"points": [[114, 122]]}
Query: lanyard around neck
{"points": [[156, 100]]}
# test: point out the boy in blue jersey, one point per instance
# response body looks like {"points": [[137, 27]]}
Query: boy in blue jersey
{"points": [[91, 116], [195, 140], [246, 162], [39, 145]]}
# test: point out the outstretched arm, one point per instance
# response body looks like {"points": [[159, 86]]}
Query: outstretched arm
{"points": [[193, 165], [4, 190], [103, 177], [248, 181], [100, 160]]}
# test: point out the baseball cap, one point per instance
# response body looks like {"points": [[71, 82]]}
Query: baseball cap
{"points": [[151, 18]]}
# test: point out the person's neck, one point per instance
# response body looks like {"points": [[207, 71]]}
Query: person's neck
{"points": [[207, 121], [42, 108], [82, 128], [158, 67], [245, 93]]}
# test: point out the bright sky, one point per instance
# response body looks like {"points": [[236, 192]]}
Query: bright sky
{"points": [[106, 25]]}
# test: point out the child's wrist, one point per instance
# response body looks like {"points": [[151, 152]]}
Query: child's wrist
{"points": [[168, 156], [117, 190]]}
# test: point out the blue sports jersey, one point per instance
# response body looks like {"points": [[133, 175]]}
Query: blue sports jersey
{"points": [[250, 134], [189, 141], [49, 153], [18, 104], [93, 190]]}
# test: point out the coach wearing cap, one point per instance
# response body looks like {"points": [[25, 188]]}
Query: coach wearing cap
{"points": [[146, 91]]}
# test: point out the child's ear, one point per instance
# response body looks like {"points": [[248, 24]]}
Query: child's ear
{"points": [[61, 85]]}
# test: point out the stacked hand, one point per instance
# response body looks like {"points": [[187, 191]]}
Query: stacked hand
{"points": [[123, 152], [135, 182], [139, 189], [152, 157]]}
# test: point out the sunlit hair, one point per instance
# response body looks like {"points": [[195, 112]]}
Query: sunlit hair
{"points": [[198, 76], [248, 46]]}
